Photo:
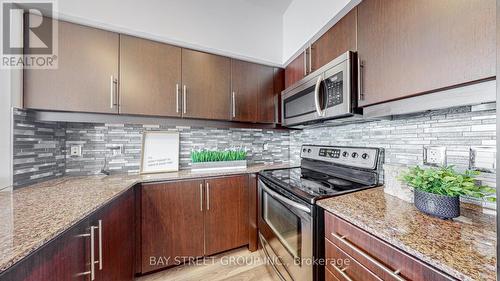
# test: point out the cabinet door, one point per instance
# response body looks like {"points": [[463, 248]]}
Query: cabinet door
{"points": [[207, 82], [336, 41], [279, 86], [116, 239], [87, 61], [226, 217], [171, 223], [60, 260], [417, 46], [295, 70], [150, 77], [252, 92]]}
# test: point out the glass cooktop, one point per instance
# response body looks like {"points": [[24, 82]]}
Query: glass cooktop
{"points": [[310, 185]]}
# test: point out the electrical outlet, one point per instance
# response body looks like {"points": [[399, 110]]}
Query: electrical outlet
{"points": [[483, 158], [76, 151], [435, 155]]}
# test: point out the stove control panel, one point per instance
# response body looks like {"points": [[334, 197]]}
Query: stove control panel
{"points": [[359, 157]]}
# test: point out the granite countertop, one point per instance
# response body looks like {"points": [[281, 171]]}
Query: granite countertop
{"points": [[464, 247], [33, 215]]}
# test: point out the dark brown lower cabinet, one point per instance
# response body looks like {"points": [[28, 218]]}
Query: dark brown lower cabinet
{"points": [[67, 257], [185, 220], [354, 254], [226, 215], [171, 223], [116, 240]]}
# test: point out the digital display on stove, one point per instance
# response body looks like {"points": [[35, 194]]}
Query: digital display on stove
{"points": [[329, 152]]}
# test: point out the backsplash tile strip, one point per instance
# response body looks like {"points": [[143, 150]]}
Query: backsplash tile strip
{"points": [[41, 149], [38, 149]]}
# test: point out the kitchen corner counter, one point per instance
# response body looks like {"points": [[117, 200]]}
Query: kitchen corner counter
{"points": [[33, 215], [464, 248]]}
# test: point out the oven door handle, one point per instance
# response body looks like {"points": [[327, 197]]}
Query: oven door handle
{"points": [[284, 199], [316, 96]]}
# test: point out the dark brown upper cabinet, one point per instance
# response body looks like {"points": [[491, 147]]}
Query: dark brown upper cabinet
{"points": [[295, 70], [150, 77], [252, 93], [85, 79], [279, 86], [418, 46], [339, 39], [206, 85]]}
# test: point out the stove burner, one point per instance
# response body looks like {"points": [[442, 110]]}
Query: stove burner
{"points": [[341, 182]]}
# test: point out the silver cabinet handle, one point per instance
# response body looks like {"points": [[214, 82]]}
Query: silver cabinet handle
{"points": [[341, 272], [316, 96], [361, 96], [208, 195], [394, 274], [184, 99], [310, 58], [100, 244], [305, 62], [112, 92], [177, 98], [201, 197], [92, 253], [233, 102]]}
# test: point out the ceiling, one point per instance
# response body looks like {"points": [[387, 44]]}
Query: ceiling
{"points": [[275, 6]]}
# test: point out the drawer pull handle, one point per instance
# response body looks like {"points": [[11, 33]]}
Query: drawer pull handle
{"points": [[394, 274], [342, 272]]}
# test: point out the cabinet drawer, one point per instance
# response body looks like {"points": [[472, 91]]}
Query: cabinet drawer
{"points": [[376, 255], [344, 267], [329, 276]]}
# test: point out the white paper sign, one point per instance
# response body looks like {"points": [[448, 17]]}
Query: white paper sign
{"points": [[160, 152]]}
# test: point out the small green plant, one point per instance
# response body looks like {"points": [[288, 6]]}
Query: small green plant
{"points": [[447, 181], [215, 155]]}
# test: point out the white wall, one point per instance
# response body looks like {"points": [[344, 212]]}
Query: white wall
{"points": [[241, 28], [305, 18]]}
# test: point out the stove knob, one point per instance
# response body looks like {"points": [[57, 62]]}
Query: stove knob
{"points": [[365, 156], [309, 150], [354, 155], [304, 150], [345, 154]]}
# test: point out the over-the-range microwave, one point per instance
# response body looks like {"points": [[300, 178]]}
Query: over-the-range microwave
{"points": [[329, 92]]}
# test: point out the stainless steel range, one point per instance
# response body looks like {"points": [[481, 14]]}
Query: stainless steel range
{"points": [[290, 222]]}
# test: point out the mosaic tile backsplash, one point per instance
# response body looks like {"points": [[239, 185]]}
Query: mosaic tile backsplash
{"points": [[41, 149], [404, 137]]}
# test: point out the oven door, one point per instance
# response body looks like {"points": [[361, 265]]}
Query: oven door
{"points": [[285, 232]]}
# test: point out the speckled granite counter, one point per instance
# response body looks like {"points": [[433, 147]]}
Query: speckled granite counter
{"points": [[464, 247], [33, 215]]}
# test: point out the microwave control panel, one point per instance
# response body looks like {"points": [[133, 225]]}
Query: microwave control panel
{"points": [[334, 86]]}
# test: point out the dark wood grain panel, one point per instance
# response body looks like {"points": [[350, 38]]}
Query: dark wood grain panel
{"points": [[414, 47], [279, 86], [226, 216], [150, 73], [207, 79], [410, 268], [253, 228], [339, 39], [118, 239], [61, 260], [341, 261], [266, 95], [171, 222], [87, 58], [295, 70], [329, 276]]}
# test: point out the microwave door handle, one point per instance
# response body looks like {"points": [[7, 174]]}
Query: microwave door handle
{"points": [[284, 199], [316, 96]]}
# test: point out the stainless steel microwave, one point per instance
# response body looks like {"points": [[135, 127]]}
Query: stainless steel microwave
{"points": [[327, 93]]}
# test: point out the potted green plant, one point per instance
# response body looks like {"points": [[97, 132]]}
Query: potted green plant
{"points": [[437, 191], [204, 160]]}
